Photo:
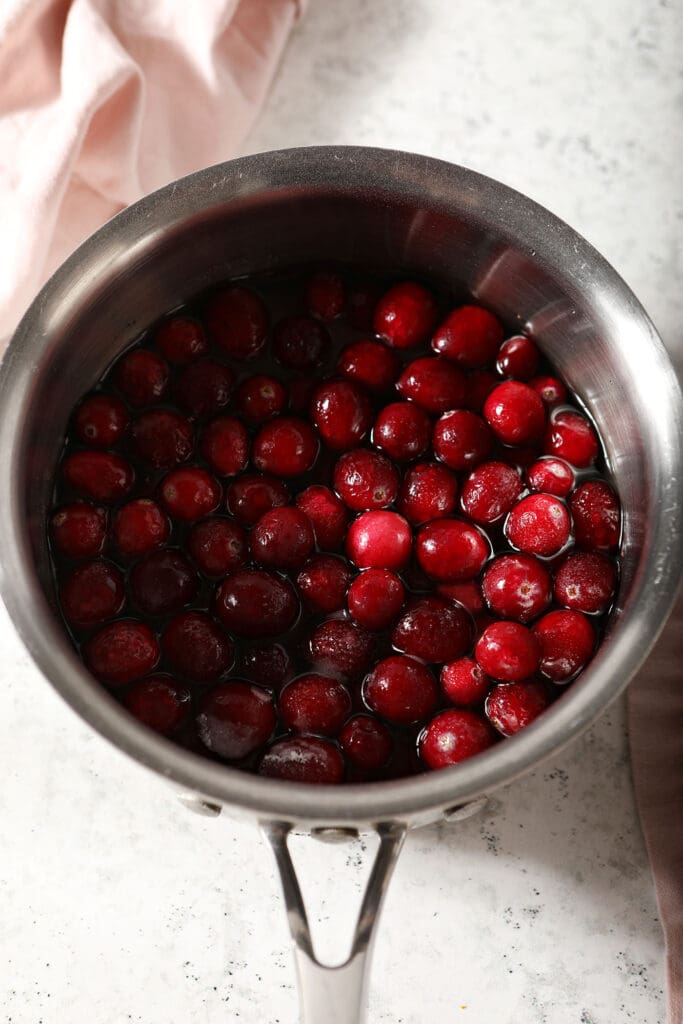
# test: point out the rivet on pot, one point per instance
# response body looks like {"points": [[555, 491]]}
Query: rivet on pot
{"points": [[463, 811], [334, 835], [199, 805]]}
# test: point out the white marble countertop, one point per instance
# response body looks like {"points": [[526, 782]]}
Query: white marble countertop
{"points": [[117, 905]]}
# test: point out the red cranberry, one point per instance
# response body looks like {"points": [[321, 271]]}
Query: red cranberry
{"points": [[467, 593], [204, 387], [365, 480], [268, 666], [595, 511], [402, 430], [92, 593], [341, 648], [428, 491], [553, 476], [162, 582], [512, 706], [586, 581], [315, 703], [379, 540], [190, 493], [342, 413], [139, 527], [462, 439], [469, 336], [282, 538], [490, 491], [251, 495], [142, 376], [515, 413], [400, 689], [570, 436], [101, 420], [567, 640], [218, 546], [539, 525], [369, 364], [238, 322], [197, 647], [552, 391], [162, 438], [159, 702], [478, 386], [303, 759], [361, 305], [300, 342], [102, 476], [235, 719], [326, 513], [453, 736], [79, 530], [325, 295], [225, 445], [464, 683], [517, 587], [518, 357], [323, 583], [433, 383], [433, 629], [260, 398], [451, 550], [366, 743], [405, 315], [121, 652], [256, 603], [508, 651], [180, 340], [375, 598], [286, 446]]}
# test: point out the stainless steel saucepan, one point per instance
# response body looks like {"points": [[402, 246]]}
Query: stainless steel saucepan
{"points": [[392, 211]]}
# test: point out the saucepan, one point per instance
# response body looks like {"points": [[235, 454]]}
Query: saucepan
{"points": [[395, 212]]}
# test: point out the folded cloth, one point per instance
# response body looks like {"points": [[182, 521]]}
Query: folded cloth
{"points": [[102, 101]]}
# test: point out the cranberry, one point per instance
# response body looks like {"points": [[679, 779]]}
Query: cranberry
{"points": [[462, 439], [468, 594], [159, 703], [142, 376], [238, 322], [323, 583], [567, 640], [303, 759], [451, 550], [268, 666], [552, 391], [366, 743], [282, 538], [286, 446], [375, 598], [508, 651], [162, 582], [402, 430], [315, 703], [405, 315], [101, 420], [379, 540], [325, 295], [400, 689], [225, 445], [190, 493], [256, 603], [342, 413], [539, 525], [102, 476], [139, 527], [197, 647], [204, 387], [260, 398], [180, 340], [251, 495], [478, 386], [433, 383], [512, 706], [433, 629], [361, 305], [517, 587], [463, 682], [341, 648], [218, 546], [570, 436], [428, 491], [300, 393], [235, 719], [469, 336], [515, 413], [595, 511], [490, 491], [121, 652], [92, 593], [79, 530], [554, 476], [586, 581], [369, 364], [326, 513], [300, 342], [162, 438], [518, 357], [365, 480], [453, 736]]}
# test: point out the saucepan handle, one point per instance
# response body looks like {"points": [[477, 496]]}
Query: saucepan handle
{"points": [[334, 995]]}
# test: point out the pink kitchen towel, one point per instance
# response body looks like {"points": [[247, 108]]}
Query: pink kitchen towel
{"points": [[102, 101]]}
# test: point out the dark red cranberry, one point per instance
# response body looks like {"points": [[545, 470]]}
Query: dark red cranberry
{"points": [[553, 476], [402, 430], [286, 446], [225, 445], [490, 491], [197, 647], [282, 538], [518, 357], [142, 376], [508, 651], [433, 629], [400, 689], [595, 511], [572, 437], [433, 383], [567, 640], [515, 413], [478, 386], [468, 594], [159, 702], [162, 438], [342, 413], [454, 736], [361, 305], [300, 343], [189, 494], [235, 719], [517, 587], [469, 336], [462, 439], [218, 546], [315, 703], [323, 583], [586, 581], [539, 525], [102, 476], [366, 743], [238, 322], [260, 398], [162, 582], [405, 315], [325, 295], [552, 391], [429, 491], [327, 514], [375, 598], [365, 480], [251, 495], [92, 593], [121, 652], [370, 364], [101, 420], [139, 527], [303, 759], [204, 387], [464, 682], [180, 340], [379, 540], [256, 603], [341, 648], [512, 706], [270, 665], [451, 550], [79, 530]]}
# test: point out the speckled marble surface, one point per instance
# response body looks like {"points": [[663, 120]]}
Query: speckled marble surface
{"points": [[119, 906]]}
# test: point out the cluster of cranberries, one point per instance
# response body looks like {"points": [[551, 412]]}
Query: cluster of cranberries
{"points": [[360, 538]]}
